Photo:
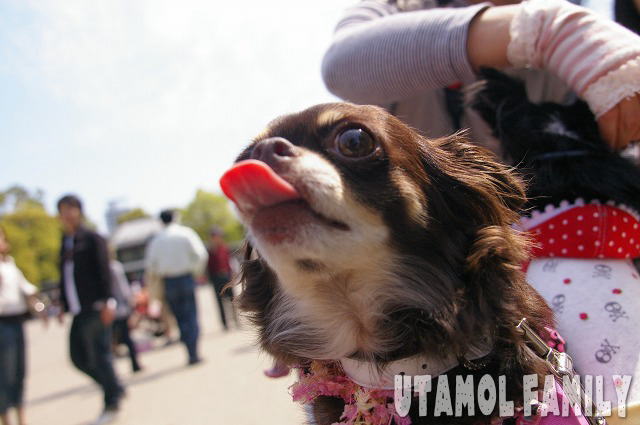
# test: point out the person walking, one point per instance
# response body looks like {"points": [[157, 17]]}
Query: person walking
{"points": [[175, 255], [219, 271], [124, 297], [86, 293], [16, 295]]}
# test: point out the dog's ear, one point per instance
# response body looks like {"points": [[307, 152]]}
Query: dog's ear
{"points": [[493, 191], [485, 198], [481, 194], [256, 301], [258, 283], [259, 286]]}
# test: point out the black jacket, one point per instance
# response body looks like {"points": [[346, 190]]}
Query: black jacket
{"points": [[90, 270]]}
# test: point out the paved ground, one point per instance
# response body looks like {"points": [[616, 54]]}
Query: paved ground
{"points": [[228, 388]]}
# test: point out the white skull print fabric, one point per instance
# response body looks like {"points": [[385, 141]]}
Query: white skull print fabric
{"points": [[597, 308]]}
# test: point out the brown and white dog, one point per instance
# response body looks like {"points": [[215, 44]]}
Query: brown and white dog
{"points": [[369, 244]]}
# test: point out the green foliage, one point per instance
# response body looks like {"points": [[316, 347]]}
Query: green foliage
{"points": [[134, 214], [207, 210], [34, 235]]}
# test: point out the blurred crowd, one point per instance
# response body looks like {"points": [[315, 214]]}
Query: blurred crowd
{"points": [[105, 307]]}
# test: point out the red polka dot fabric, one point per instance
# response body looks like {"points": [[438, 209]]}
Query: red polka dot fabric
{"points": [[589, 231]]}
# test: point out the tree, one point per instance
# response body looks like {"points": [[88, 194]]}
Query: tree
{"points": [[17, 197], [207, 210], [134, 214], [34, 235]]}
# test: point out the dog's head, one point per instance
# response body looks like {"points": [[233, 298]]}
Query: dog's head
{"points": [[372, 241]]}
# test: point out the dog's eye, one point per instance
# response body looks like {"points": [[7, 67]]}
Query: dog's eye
{"points": [[355, 143]]}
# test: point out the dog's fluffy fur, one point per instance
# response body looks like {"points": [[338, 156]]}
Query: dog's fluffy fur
{"points": [[408, 250]]}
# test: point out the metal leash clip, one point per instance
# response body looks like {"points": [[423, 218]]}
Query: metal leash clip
{"points": [[562, 365]]}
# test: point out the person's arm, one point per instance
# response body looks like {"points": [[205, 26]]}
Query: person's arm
{"points": [[152, 280], [26, 287], [154, 286], [380, 56], [489, 37], [30, 291], [225, 257], [121, 287], [107, 304], [123, 282], [210, 264], [62, 300], [597, 58], [198, 251], [103, 271]]}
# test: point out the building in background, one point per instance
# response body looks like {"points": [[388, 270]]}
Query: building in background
{"points": [[114, 211], [130, 241]]}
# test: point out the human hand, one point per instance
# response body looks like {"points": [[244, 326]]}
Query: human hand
{"points": [[133, 321], [39, 309], [36, 307], [621, 125], [61, 317], [107, 314], [155, 309]]}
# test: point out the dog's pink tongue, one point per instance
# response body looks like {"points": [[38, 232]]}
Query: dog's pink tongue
{"points": [[253, 184]]}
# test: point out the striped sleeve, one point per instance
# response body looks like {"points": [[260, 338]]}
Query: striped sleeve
{"points": [[380, 56]]}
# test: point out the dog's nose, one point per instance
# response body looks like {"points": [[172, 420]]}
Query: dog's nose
{"points": [[273, 149]]}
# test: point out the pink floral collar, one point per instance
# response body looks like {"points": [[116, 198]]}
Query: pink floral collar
{"points": [[363, 406], [368, 406]]}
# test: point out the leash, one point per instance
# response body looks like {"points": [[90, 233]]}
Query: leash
{"points": [[562, 365]]}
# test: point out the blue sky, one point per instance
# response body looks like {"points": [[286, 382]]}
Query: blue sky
{"points": [[146, 101]]}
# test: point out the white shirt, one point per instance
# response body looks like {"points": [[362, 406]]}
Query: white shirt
{"points": [[14, 287], [73, 302], [175, 251], [121, 289]]}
